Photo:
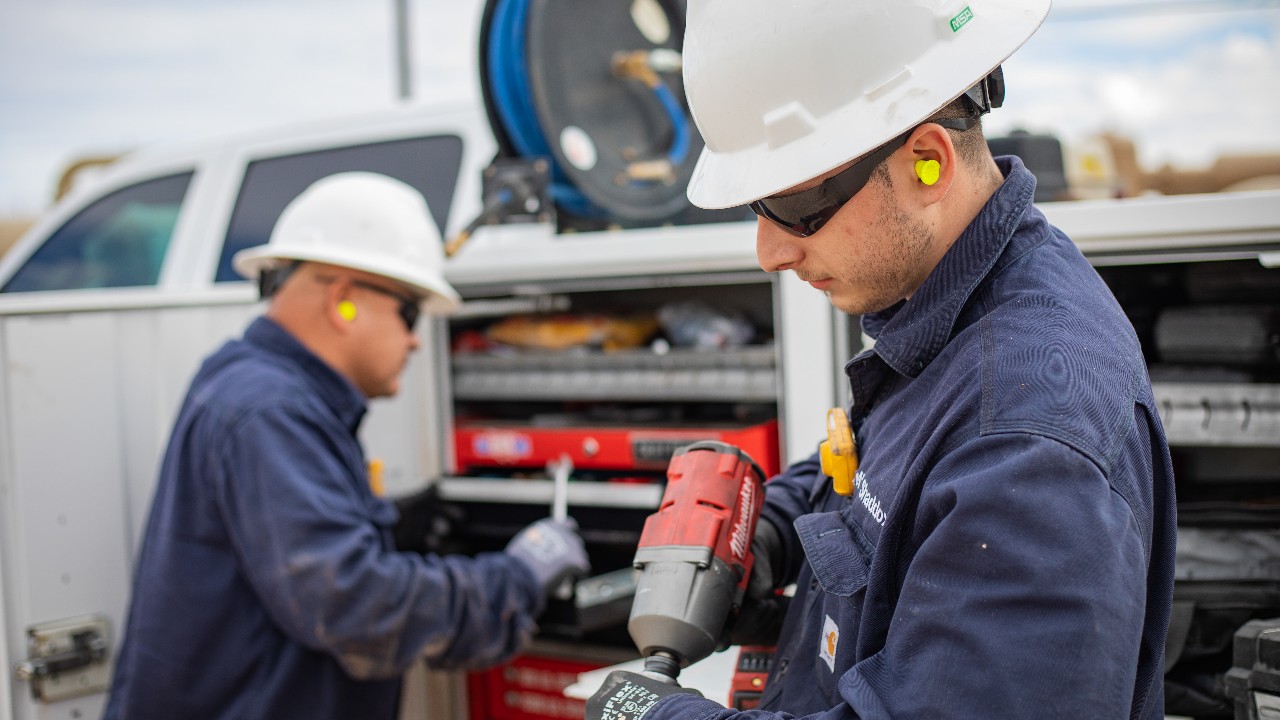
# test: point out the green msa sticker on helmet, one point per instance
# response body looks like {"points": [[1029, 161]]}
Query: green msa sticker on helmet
{"points": [[962, 19]]}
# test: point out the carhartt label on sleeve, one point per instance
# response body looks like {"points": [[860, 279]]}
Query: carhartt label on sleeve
{"points": [[830, 642]]}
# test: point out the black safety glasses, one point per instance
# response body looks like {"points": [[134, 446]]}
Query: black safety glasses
{"points": [[804, 213], [410, 307]]}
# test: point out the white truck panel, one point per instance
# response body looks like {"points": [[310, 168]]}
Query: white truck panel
{"points": [[65, 536], [88, 402]]}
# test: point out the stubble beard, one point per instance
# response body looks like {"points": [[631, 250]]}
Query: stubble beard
{"points": [[900, 247]]}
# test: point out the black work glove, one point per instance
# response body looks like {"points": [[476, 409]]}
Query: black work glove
{"points": [[428, 524], [759, 620], [628, 696]]}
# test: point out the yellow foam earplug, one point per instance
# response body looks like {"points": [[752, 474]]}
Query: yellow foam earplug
{"points": [[347, 310], [928, 171]]}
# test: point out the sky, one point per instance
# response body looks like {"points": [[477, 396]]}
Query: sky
{"points": [[1189, 79]]}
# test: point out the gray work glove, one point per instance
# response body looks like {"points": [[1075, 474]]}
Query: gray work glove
{"points": [[628, 696], [553, 550], [759, 620]]}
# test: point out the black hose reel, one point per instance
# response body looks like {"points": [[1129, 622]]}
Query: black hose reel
{"points": [[587, 97]]}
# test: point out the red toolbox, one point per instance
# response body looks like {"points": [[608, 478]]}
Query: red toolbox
{"points": [[478, 444], [530, 687]]}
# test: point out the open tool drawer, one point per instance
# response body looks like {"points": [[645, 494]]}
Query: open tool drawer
{"points": [[612, 375], [616, 378]]}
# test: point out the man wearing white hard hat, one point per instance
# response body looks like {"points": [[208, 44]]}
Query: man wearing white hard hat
{"points": [[268, 584], [1006, 549]]}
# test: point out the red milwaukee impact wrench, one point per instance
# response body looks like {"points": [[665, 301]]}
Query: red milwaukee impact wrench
{"points": [[694, 556]]}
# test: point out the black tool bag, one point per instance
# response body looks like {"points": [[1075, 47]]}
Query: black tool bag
{"points": [[1224, 578], [1253, 683]]}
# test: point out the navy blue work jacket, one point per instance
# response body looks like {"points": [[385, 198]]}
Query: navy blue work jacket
{"points": [[1008, 550], [267, 584]]}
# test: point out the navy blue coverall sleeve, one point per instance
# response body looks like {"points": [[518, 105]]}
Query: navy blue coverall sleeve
{"points": [[315, 549]]}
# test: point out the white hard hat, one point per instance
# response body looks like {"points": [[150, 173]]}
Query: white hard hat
{"points": [[786, 91], [364, 221]]}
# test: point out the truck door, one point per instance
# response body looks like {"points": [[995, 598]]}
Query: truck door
{"points": [[88, 395]]}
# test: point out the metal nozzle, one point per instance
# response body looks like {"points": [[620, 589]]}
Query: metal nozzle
{"points": [[662, 666]]}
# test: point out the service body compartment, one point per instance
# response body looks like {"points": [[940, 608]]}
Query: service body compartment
{"points": [[611, 350], [1199, 279]]}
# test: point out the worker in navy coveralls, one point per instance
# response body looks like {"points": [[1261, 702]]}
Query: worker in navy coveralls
{"points": [[268, 585], [1008, 548]]}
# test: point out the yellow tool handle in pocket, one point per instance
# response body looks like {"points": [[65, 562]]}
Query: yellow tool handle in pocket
{"points": [[839, 452], [375, 477]]}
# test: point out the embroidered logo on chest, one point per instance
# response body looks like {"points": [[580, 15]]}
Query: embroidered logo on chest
{"points": [[828, 643], [869, 501]]}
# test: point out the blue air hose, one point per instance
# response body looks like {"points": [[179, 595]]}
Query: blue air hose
{"points": [[679, 123], [513, 98]]}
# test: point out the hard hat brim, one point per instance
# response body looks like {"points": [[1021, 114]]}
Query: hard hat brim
{"points": [[730, 179], [438, 298]]}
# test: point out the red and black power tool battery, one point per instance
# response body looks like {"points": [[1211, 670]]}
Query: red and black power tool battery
{"points": [[749, 676]]}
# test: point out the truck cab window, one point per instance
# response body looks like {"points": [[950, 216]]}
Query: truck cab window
{"points": [[430, 164], [118, 241]]}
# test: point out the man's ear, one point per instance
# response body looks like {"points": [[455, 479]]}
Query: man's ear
{"points": [[339, 309], [932, 161]]}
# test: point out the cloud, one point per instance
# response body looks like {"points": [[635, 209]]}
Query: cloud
{"points": [[446, 52], [83, 76], [1185, 89]]}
